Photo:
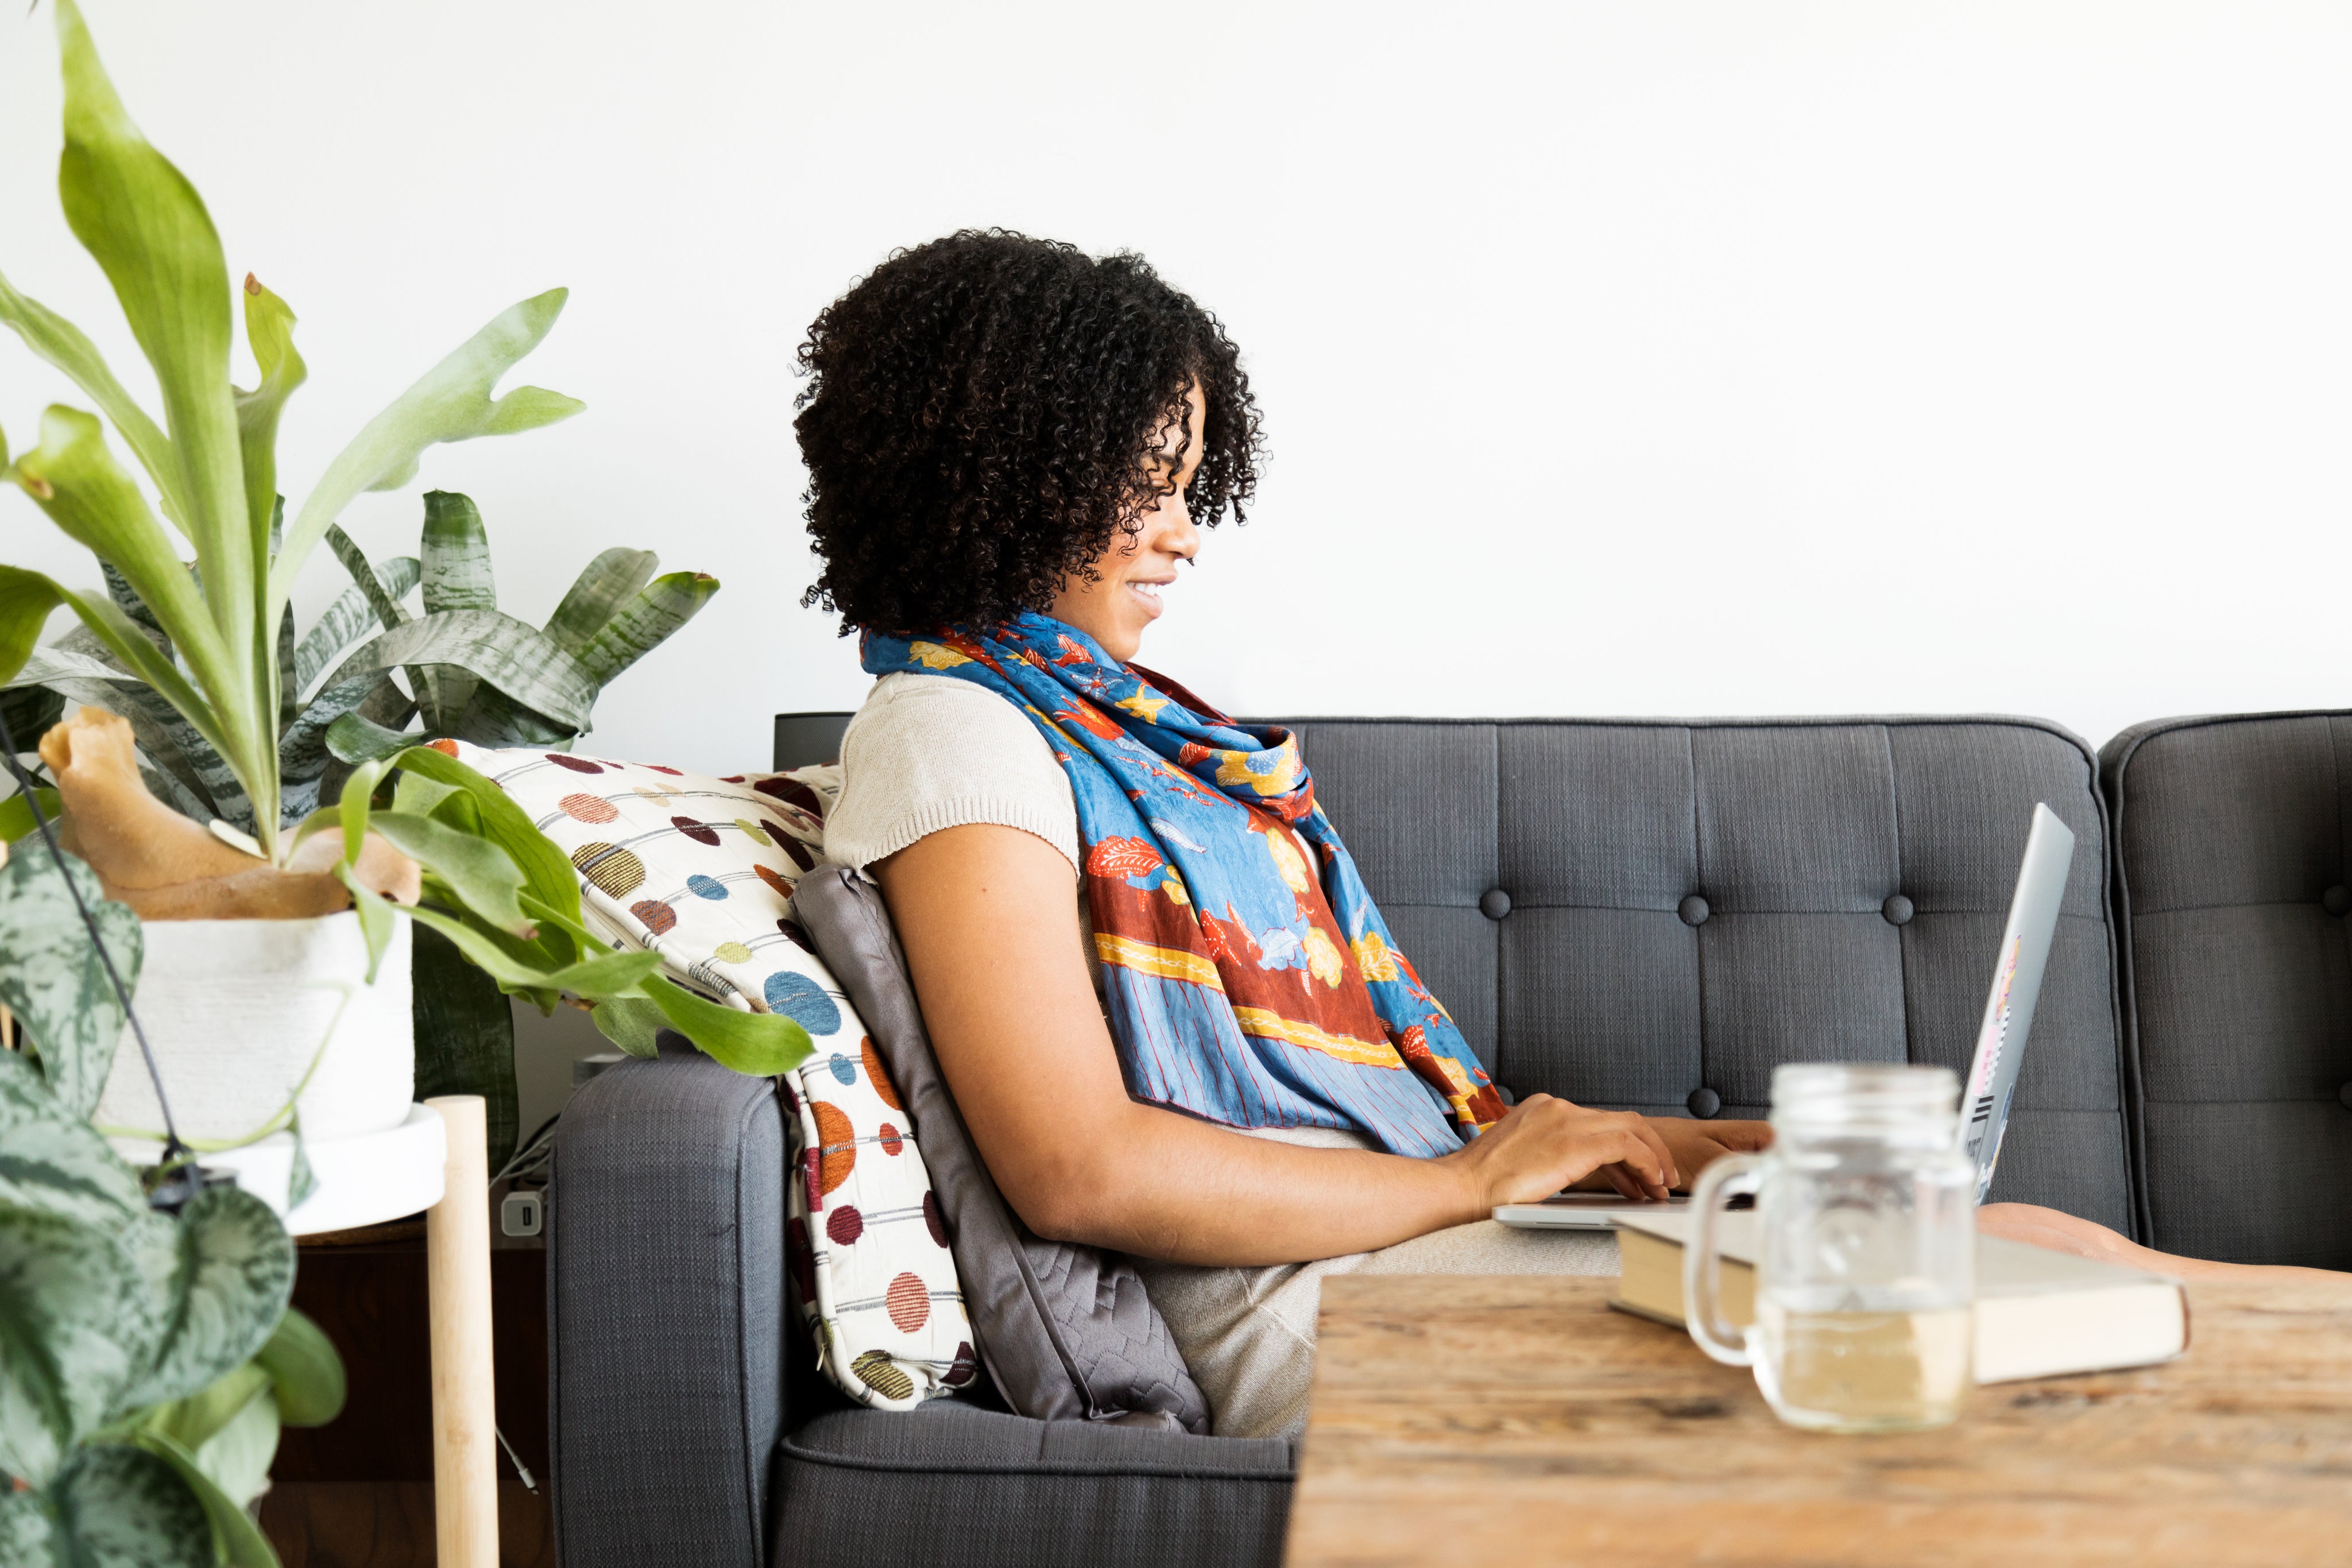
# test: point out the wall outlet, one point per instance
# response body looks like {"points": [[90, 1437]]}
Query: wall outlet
{"points": [[520, 1213]]}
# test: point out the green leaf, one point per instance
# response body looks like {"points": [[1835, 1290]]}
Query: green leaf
{"points": [[52, 1161], [192, 1422], [17, 811], [27, 599], [269, 331], [71, 1337], [457, 554], [75, 480], [375, 917], [301, 1181], [465, 1026], [632, 1023], [483, 875], [547, 873], [660, 607], [758, 1044], [233, 1538], [359, 789], [307, 1373], [611, 580], [233, 1268], [513, 655], [347, 620], [117, 1506], [380, 597], [451, 402], [63, 344], [148, 230], [170, 741], [53, 978], [355, 739], [484, 951], [495, 720], [421, 797], [304, 750]]}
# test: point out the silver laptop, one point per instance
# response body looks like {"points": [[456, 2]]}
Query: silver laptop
{"points": [[2001, 1040]]}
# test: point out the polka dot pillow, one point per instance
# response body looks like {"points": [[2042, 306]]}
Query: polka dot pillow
{"points": [[701, 870]]}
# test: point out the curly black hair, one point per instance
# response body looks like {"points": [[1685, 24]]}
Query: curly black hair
{"points": [[979, 419]]}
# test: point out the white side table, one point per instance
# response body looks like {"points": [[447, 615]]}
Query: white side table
{"points": [[438, 1161]]}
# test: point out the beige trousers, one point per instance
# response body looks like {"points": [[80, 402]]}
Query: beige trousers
{"points": [[1248, 1334]]}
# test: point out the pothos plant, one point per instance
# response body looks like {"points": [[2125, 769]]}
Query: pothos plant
{"points": [[147, 1359], [202, 652]]}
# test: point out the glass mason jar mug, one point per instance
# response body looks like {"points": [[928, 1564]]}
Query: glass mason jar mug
{"points": [[1865, 1251]]}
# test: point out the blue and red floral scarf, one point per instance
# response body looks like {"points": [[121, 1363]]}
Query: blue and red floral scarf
{"points": [[1244, 986]]}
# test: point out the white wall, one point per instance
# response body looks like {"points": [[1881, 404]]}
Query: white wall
{"points": [[1707, 358]]}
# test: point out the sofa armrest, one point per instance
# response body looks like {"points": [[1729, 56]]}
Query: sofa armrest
{"points": [[666, 1315]]}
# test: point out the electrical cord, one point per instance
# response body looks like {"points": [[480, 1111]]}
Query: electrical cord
{"points": [[183, 1179]]}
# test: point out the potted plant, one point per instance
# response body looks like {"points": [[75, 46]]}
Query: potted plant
{"points": [[151, 1354], [269, 914]]}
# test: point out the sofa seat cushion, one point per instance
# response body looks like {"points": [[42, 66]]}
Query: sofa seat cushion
{"points": [[949, 1482]]}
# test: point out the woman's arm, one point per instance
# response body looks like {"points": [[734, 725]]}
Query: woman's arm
{"points": [[989, 926]]}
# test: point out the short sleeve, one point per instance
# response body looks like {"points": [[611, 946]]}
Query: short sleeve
{"points": [[930, 752]]}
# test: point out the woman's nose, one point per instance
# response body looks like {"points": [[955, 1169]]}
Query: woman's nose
{"points": [[1176, 535]]}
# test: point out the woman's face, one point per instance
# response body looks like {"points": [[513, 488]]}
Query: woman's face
{"points": [[1124, 598]]}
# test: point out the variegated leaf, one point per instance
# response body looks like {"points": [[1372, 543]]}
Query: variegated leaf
{"points": [[53, 979], [116, 1506], [660, 607], [380, 598], [611, 580], [53, 1160], [495, 719], [515, 657], [69, 1323], [233, 1272], [456, 555], [347, 619]]}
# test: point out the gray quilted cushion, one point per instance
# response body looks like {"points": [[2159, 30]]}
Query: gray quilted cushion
{"points": [[1067, 1332]]}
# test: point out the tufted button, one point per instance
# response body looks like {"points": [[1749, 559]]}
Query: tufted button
{"points": [[1898, 909], [2336, 900], [2344, 1096], [1703, 1101], [1692, 910], [1494, 904]]}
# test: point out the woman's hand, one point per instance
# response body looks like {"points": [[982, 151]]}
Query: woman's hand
{"points": [[1698, 1145], [1543, 1145]]}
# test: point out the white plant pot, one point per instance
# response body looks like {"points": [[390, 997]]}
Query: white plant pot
{"points": [[235, 1009]]}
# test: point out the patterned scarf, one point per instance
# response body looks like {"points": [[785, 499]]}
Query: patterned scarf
{"points": [[1243, 987]]}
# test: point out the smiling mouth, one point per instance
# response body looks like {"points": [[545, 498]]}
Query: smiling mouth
{"points": [[1149, 592]]}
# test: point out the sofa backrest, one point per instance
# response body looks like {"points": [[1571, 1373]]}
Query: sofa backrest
{"points": [[1651, 915], [2233, 885]]}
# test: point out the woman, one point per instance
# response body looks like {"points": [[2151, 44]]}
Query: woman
{"points": [[1173, 1020]]}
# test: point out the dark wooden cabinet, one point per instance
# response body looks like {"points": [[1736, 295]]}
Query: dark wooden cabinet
{"points": [[358, 1493]]}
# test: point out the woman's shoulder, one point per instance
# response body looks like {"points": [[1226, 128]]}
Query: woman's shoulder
{"points": [[928, 752], [908, 715]]}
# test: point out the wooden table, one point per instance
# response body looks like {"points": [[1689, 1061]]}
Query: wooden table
{"points": [[1520, 1421]]}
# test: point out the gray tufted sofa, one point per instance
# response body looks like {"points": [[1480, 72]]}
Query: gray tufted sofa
{"points": [[1642, 914]]}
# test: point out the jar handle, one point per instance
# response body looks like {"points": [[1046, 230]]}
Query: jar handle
{"points": [[1703, 1265]]}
